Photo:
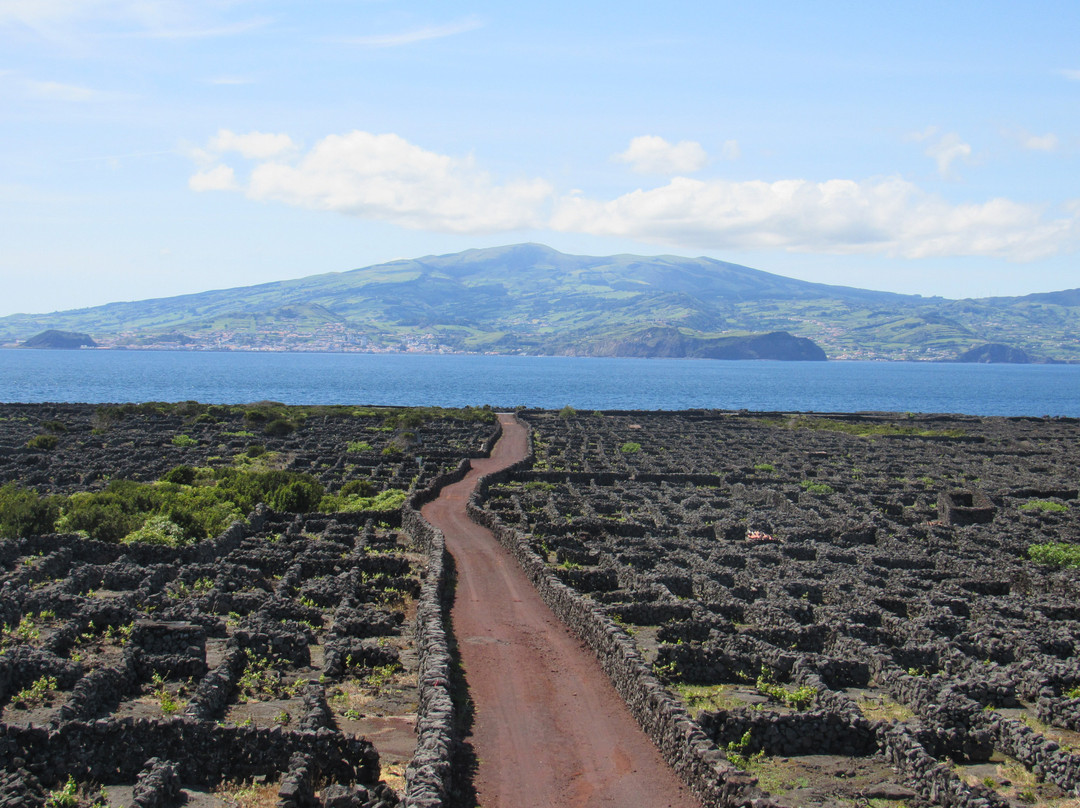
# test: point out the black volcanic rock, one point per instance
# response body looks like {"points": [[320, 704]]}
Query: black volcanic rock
{"points": [[996, 353], [60, 339]]}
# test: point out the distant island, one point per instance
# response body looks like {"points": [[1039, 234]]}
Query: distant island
{"points": [[529, 299], [66, 340]]}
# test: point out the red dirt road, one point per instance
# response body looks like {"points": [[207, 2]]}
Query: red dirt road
{"points": [[548, 727]]}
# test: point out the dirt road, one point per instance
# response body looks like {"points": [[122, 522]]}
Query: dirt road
{"points": [[548, 727]]}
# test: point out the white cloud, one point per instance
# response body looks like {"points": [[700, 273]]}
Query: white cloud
{"points": [[58, 91], [416, 35], [946, 150], [209, 32], [889, 216], [385, 177], [1047, 142], [730, 150], [1072, 75], [218, 178], [649, 154], [253, 145], [167, 19]]}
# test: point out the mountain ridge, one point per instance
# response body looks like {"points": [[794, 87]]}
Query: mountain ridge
{"points": [[530, 298]]}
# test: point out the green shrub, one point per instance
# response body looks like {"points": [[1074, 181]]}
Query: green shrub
{"points": [[385, 501], [389, 500], [358, 488], [279, 428], [300, 496], [187, 505], [567, 412], [630, 447], [1045, 506], [157, 530], [798, 698], [816, 488], [56, 427], [24, 513], [539, 485], [255, 450], [408, 419], [42, 442], [41, 691], [67, 796], [184, 441], [1055, 554], [182, 475], [358, 446], [101, 516]]}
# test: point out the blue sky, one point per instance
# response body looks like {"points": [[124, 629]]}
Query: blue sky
{"points": [[158, 147]]}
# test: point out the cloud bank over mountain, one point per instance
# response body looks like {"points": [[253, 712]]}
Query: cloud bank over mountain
{"points": [[386, 177]]}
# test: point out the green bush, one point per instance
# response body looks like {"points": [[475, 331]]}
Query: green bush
{"points": [[279, 428], [200, 511], [385, 501], [100, 516], [630, 447], [182, 475], [358, 446], [358, 488], [157, 530], [255, 450], [67, 796], [56, 427], [43, 442], [300, 496], [187, 505], [184, 441], [1057, 554], [799, 698], [409, 419], [816, 488], [1045, 506], [24, 513]]}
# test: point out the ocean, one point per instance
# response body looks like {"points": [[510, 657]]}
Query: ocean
{"points": [[546, 382]]}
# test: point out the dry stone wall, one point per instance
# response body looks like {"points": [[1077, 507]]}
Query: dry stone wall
{"points": [[874, 566], [266, 653]]}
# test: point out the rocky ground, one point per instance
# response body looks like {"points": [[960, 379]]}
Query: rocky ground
{"points": [[273, 664], [846, 604]]}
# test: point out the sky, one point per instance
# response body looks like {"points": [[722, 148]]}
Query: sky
{"points": [[151, 148]]}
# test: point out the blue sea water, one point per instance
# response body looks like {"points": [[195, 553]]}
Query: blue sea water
{"points": [[549, 382]]}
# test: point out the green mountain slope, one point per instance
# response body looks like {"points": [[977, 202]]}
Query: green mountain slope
{"points": [[528, 298]]}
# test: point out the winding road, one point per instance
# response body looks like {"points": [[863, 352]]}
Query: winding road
{"points": [[548, 727]]}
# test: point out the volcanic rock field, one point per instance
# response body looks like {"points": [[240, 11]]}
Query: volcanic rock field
{"points": [[799, 609]]}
